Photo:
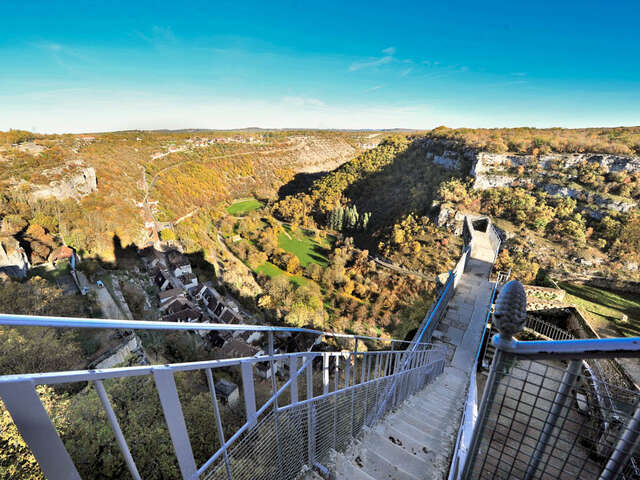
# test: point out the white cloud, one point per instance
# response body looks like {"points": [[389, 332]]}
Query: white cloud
{"points": [[406, 72], [372, 63], [374, 88], [375, 61]]}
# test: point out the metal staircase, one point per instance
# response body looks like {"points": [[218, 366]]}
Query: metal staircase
{"points": [[392, 410]]}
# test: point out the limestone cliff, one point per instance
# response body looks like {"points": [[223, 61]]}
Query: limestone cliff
{"points": [[13, 259], [74, 185]]}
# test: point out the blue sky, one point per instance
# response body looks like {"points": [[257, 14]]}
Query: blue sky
{"points": [[111, 65]]}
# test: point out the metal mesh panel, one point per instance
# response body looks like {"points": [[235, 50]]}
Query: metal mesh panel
{"points": [[586, 429], [261, 454], [285, 440]]}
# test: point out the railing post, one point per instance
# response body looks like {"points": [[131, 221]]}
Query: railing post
{"points": [[246, 369], [293, 368], [355, 360], [34, 424], [325, 373], [276, 413], [628, 443], [216, 409], [166, 386], [509, 317], [560, 404], [115, 426], [311, 416], [336, 376]]}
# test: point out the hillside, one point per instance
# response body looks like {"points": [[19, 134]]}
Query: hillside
{"points": [[87, 188]]}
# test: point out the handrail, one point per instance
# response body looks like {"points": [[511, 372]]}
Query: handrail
{"points": [[468, 420], [578, 349], [78, 322]]}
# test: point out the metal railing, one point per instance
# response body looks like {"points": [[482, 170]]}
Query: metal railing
{"points": [[276, 439], [470, 412], [538, 418], [351, 391]]}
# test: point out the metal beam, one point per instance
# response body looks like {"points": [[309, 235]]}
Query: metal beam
{"points": [[166, 385], [33, 422]]}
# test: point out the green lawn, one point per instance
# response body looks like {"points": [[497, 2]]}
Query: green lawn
{"points": [[303, 246], [272, 271], [605, 308], [242, 207], [49, 273]]}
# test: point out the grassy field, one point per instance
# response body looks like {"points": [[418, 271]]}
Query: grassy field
{"points": [[272, 271], [242, 207], [49, 273], [605, 308], [302, 245]]}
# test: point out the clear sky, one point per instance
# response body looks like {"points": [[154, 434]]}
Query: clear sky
{"points": [[112, 65]]}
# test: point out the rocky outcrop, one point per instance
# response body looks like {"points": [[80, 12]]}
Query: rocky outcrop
{"points": [[449, 159], [75, 185], [589, 197], [486, 162], [13, 259], [484, 182]]}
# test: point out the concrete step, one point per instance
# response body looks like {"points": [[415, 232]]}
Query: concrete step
{"points": [[393, 450], [411, 440], [311, 475], [432, 424], [379, 467], [345, 469], [429, 436]]}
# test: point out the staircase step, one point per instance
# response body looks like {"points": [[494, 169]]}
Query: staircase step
{"points": [[411, 440], [344, 469], [397, 455], [377, 466], [428, 438]]}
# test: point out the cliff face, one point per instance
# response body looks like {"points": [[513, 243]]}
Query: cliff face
{"points": [[75, 185], [13, 259], [552, 173]]}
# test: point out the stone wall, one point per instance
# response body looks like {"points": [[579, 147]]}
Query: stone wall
{"points": [[117, 355]]}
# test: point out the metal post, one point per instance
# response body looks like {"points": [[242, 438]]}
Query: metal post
{"points": [[355, 359], [246, 368], [365, 378], [336, 376], [293, 368], [113, 421], [311, 417], [325, 373], [625, 447], [488, 396], [34, 424], [275, 404], [166, 387], [560, 404], [216, 409]]}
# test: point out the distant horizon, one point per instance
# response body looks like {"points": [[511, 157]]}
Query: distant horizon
{"points": [[327, 129], [114, 66]]}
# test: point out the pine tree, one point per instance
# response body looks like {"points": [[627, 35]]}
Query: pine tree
{"points": [[339, 218]]}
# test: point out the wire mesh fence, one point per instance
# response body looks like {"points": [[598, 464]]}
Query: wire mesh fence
{"points": [[304, 433], [546, 421]]}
